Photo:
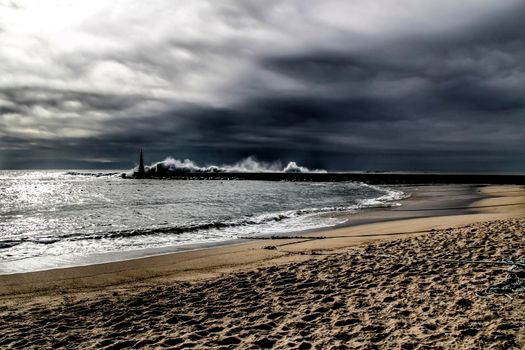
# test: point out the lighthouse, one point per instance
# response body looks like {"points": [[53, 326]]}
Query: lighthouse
{"points": [[141, 173]]}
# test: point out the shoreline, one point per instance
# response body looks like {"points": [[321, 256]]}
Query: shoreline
{"points": [[421, 204], [45, 263], [416, 217], [423, 282]]}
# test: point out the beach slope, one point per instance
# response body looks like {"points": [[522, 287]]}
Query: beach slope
{"points": [[433, 281]]}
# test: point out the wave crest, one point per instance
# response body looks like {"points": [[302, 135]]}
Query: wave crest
{"points": [[388, 199], [247, 165]]}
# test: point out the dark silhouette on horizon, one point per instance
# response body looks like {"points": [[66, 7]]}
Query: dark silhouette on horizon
{"points": [[160, 171], [141, 172]]}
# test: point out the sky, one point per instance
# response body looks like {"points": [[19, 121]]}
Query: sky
{"points": [[394, 85]]}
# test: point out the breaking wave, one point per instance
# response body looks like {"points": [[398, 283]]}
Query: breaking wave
{"points": [[247, 165], [187, 166], [388, 199]]}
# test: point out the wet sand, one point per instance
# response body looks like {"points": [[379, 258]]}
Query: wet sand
{"points": [[401, 283]]}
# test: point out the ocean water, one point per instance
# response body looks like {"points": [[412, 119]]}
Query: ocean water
{"points": [[54, 218]]}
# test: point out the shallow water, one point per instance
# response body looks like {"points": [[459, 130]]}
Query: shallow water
{"points": [[73, 214]]}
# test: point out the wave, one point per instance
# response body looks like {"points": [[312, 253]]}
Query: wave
{"points": [[187, 166], [247, 165], [386, 200], [14, 242], [388, 197], [10, 243], [79, 173]]}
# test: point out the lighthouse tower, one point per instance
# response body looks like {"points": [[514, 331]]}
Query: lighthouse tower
{"points": [[141, 173]]}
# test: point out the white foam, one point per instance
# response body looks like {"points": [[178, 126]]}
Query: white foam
{"points": [[247, 165]]}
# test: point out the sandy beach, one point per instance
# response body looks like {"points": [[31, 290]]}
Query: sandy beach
{"points": [[428, 274]]}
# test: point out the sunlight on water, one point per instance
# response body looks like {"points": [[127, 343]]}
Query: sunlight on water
{"points": [[53, 214]]}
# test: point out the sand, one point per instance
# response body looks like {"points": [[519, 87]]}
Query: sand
{"points": [[403, 283]]}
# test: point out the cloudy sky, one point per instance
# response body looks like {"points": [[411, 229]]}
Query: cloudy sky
{"points": [[420, 85]]}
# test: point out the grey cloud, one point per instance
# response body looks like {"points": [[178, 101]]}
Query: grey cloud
{"points": [[278, 81], [29, 97]]}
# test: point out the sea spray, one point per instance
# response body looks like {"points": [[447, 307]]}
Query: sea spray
{"points": [[247, 165]]}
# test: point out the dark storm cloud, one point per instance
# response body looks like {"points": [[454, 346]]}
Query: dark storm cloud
{"points": [[289, 82]]}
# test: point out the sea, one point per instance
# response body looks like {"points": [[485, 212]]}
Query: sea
{"points": [[58, 218]]}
